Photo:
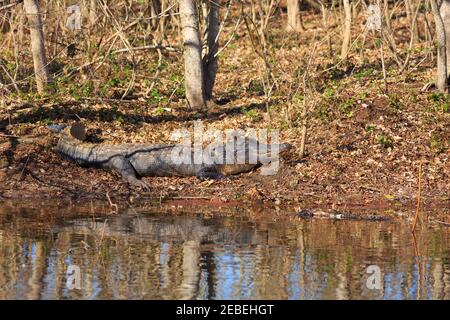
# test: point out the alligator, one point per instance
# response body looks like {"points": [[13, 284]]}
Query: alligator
{"points": [[336, 215], [134, 160]]}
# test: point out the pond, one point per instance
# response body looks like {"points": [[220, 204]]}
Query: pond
{"points": [[79, 252]]}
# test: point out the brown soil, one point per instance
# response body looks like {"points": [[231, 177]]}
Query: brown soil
{"points": [[342, 168]]}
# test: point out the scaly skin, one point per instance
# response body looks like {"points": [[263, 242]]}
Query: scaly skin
{"points": [[133, 160]]}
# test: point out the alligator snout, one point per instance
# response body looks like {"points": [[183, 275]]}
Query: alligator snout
{"points": [[271, 150]]}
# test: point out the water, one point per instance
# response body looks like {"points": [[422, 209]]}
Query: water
{"points": [[79, 253]]}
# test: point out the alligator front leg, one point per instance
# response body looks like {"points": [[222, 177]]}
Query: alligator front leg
{"points": [[126, 170], [209, 172]]}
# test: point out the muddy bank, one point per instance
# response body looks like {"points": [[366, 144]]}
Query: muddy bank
{"points": [[347, 173]]}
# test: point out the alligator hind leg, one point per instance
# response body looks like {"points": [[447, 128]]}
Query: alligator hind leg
{"points": [[126, 170]]}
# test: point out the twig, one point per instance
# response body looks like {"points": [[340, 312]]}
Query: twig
{"points": [[189, 198], [11, 5], [113, 205], [106, 99], [442, 222], [411, 41], [13, 82], [305, 103], [382, 59], [151, 47], [370, 188], [8, 135], [98, 59], [23, 169], [419, 267], [237, 25], [158, 70], [103, 233], [418, 198]]}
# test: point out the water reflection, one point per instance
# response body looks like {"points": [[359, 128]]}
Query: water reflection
{"points": [[140, 254]]}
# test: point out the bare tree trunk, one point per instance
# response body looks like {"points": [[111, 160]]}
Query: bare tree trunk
{"points": [[387, 16], [347, 28], [154, 11], [37, 45], [92, 12], [293, 21], [163, 19], [190, 269], [438, 283], [210, 60], [441, 81], [5, 22], [195, 91], [445, 14], [327, 28]]}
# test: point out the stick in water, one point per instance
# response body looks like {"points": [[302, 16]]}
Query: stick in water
{"points": [[418, 198]]}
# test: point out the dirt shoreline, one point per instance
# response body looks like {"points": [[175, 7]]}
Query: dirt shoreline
{"points": [[343, 174], [240, 191], [432, 211]]}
